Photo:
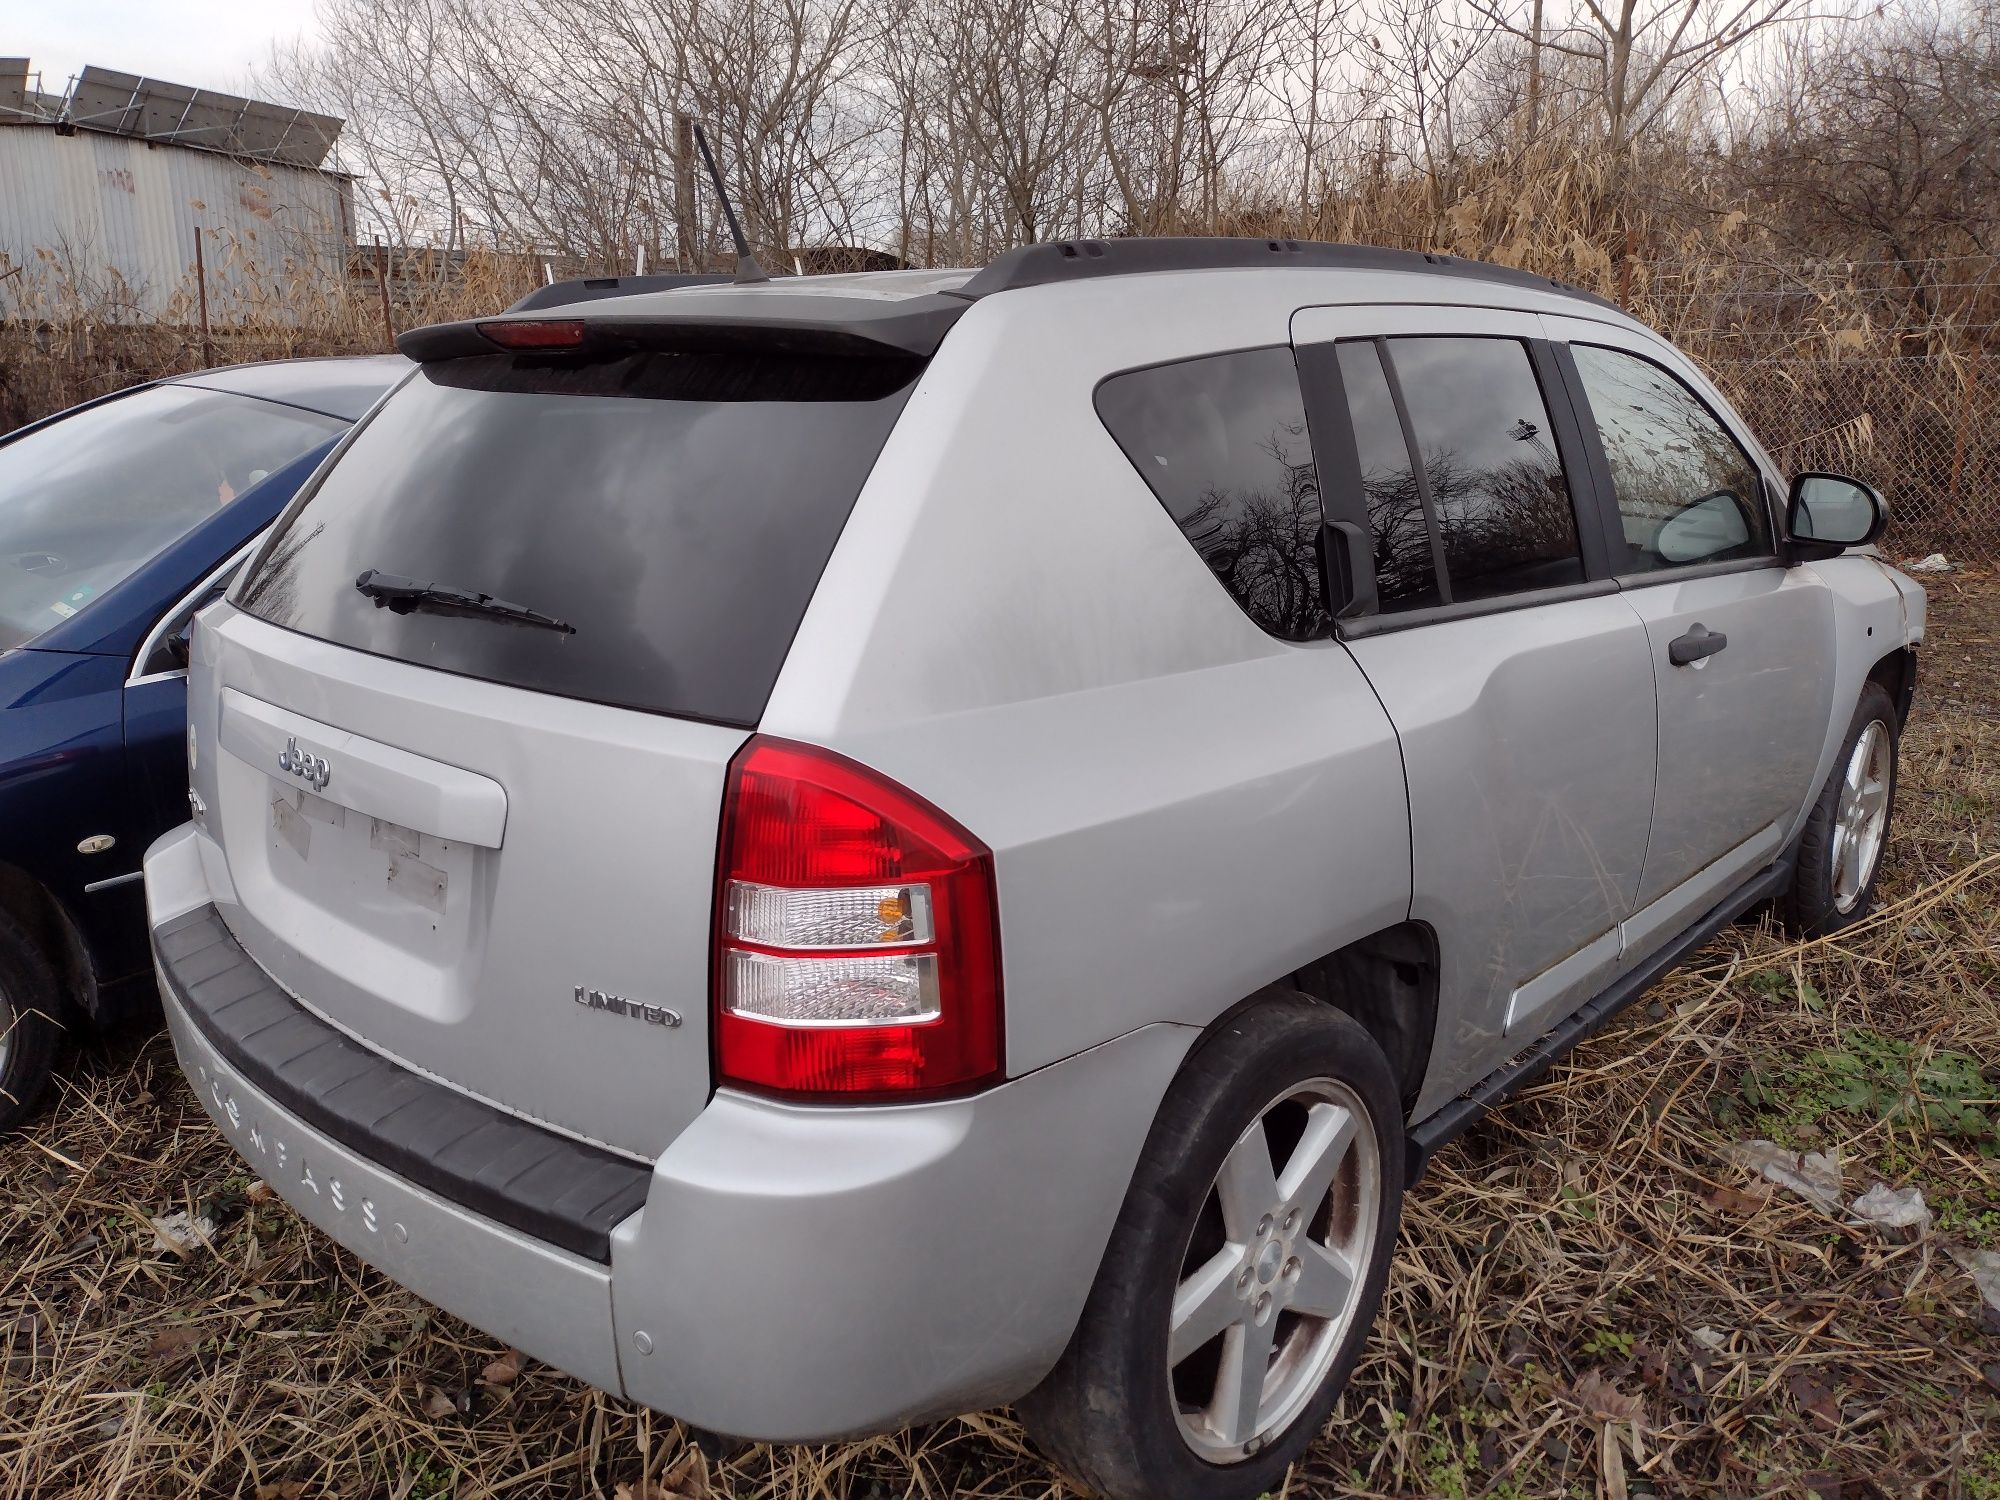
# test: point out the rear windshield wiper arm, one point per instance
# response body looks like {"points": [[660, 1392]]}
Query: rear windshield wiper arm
{"points": [[400, 595]]}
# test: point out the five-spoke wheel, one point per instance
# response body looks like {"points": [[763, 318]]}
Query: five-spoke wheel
{"points": [[1861, 820], [1840, 847], [1245, 1267], [1273, 1268]]}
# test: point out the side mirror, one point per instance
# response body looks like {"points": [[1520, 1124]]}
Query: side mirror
{"points": [[179, 646], [1830, 512]]}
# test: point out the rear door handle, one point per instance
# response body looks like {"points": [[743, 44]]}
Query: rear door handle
{"points": [[1350, 555], [1696, 646]]}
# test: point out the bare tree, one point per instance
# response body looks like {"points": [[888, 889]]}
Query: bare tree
{"points": [[1885, 142], [1645, 54]]}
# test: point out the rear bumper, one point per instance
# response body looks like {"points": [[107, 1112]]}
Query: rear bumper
{"points": [[534, 1296], [795, 1273]]}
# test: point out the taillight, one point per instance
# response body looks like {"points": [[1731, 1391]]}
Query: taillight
{"points": [[857, 950], [538, 333]]}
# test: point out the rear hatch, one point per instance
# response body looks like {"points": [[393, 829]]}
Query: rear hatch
{"points": [[473, 706]]}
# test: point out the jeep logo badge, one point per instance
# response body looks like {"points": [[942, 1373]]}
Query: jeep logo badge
{"points": [[618, 1005], [311, 769]]}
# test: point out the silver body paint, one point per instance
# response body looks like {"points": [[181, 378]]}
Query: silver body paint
{"points": [[1181, 809]]}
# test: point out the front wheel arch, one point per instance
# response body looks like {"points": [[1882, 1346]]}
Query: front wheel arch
{"points": [[43, 918]]}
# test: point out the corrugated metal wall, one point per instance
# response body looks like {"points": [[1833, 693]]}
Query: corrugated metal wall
{"points": [[119, 215]]}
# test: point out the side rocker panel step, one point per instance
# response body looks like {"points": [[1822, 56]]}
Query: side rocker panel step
{"points": [[1447, 1124]]}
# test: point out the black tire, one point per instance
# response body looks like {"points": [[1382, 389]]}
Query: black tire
{"points": [[1107, 1412], [1812, 908], [29, 1005]]}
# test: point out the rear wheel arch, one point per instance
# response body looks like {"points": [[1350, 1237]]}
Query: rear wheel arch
{"points": [[1387, 982]]}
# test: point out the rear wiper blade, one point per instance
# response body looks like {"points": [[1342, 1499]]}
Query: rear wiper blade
{"points": [[400, 595]]}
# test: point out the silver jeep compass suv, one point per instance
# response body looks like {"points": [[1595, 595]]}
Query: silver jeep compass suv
{"points": [[825, 853]]}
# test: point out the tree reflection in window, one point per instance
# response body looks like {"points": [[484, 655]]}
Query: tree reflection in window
{"points": [[1405, 573], [1668, 453], [1222, 442], [1489, 453]]}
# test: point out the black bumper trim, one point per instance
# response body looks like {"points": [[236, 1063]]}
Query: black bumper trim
{"points": [[478, 1157]]}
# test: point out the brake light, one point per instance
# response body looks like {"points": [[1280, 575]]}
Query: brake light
{"points": [[541, 333], [857, 948]]}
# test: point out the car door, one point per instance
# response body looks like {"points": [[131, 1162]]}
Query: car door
{"points": [[156, 702], [1741, 645], [1481, 608]]}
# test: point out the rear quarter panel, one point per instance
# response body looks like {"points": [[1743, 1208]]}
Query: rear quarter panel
{"points": [[1182, 809]]}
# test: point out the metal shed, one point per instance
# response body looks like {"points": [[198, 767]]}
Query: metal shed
{"points": [[102, 189]]}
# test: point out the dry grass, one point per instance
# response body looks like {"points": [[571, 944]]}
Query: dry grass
{"points": [[1589, 1299], [68, 334]]}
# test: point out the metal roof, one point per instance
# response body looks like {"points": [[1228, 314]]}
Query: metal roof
{"points": [[343, 388]]}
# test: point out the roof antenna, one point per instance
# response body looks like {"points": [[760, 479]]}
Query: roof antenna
{"points": [[747, 268]]}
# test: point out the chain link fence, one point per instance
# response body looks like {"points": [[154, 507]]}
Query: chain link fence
{"points": [[1929, 440], [1882, 370]]}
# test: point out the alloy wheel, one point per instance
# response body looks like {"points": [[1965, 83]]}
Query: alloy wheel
{"points": [[1861, 817], [1274, 1269]]}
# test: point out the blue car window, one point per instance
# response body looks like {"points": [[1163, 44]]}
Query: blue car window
{"points": [[91, 497]]}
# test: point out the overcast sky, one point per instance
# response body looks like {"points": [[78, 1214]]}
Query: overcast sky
{"points": [[211, 44]]}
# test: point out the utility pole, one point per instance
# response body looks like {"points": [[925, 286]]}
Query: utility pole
{"points": [[201, 298], [1535, 74], [687, 224]]}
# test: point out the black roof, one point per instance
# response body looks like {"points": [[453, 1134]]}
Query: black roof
{"points": [[829, 317], [595, 288], [1082, 260]]}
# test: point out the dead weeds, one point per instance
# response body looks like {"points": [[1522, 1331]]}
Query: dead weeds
{"points": [[1591, 1299]]}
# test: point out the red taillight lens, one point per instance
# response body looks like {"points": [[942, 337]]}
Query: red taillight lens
{"points": [[541, 333], [857, 949]]}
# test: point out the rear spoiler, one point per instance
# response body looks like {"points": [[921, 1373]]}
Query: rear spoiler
{"points": [[595, 288], [749, 320]]}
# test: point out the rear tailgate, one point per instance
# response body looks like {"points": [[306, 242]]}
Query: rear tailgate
{"points": [[485, 844], [471, 863]]}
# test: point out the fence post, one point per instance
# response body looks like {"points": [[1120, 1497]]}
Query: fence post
{"points": [[1964, 422], [201, 299], [382, 285]]}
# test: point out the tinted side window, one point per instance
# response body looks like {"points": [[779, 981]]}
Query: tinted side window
{"points": [[1222, 441], [1687, 492], [1405, 572], [1489, 455]]}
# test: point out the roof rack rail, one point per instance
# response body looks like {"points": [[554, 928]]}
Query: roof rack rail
{"points": [[1081, 260], [591, 288]]}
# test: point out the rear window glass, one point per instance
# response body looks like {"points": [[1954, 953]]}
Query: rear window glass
{"points": [[1222, 441], [673, 510]]}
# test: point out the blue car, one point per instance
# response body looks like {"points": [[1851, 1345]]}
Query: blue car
{"points": [[118, 520]]}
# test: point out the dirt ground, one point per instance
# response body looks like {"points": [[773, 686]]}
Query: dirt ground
{"points": [[1591, 1297]]}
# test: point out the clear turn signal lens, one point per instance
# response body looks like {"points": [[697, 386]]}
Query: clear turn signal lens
{"points": [[868, 916]]}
